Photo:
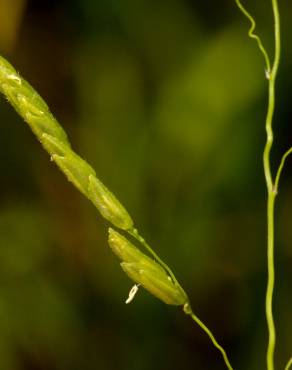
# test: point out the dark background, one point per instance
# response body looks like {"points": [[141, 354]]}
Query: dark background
{"points": [[167, 100]]}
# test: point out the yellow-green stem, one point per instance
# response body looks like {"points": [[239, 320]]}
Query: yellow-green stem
{"points": [[280, 168], [189, 312], [271, 283], [271, 193]]}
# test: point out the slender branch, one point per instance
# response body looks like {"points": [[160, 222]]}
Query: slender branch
{"points": [[280, 168], [271, 193], [254, 36], [188, 311], [277, 36], [289, 363], [271, 187], [271, 103], [271, 282]]}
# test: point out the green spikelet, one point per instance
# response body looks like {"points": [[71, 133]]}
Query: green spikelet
{"points": [[74, 167], [146, 272], [108, 205], [158, 284], [127, 252]]}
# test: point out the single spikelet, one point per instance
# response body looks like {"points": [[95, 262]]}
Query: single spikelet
{"points": [[146, 272], [160, 285], [127, 252], [73, 166], [108, 205]]}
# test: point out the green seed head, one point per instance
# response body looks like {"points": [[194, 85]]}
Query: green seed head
{"points": [[33, 109], [82, 175], [141, 268]]}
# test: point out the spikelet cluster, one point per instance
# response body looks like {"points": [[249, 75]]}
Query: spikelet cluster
{"points": [[33, 109]]}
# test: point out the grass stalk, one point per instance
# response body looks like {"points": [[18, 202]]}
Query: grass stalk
{"points": [[188, 311], [271, 193]]}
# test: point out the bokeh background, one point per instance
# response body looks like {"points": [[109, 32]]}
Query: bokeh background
{"points": [[167, 100]]}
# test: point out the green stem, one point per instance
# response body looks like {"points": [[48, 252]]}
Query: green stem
{"points": [[271, 193], [271, 103], [189, 312], [252, 35], [272, 186], [280, 168], [187, 308], [271, 282]]}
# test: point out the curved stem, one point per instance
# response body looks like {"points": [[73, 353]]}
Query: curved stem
{"points": [[271, 192], [271, 283], [280, 168], [271, 103], [189, 312], [254, 36]]}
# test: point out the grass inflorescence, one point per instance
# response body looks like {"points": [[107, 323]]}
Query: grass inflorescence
{"points": [[145, 269]]}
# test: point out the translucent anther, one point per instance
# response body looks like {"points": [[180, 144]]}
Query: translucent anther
{"points": [[132, 293]]}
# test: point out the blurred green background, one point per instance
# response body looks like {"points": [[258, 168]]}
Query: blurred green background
{"points": [[167, 100]]}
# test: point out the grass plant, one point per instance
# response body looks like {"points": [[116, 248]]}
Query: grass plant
{"points": [[147, 269]]}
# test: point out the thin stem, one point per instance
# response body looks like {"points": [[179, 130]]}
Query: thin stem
{"points": [[252, 35], [277, 35], [271, 193], [271, 187], [189, 312], [271, 103], [289, 363], [271, 282], [280, 168]]}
